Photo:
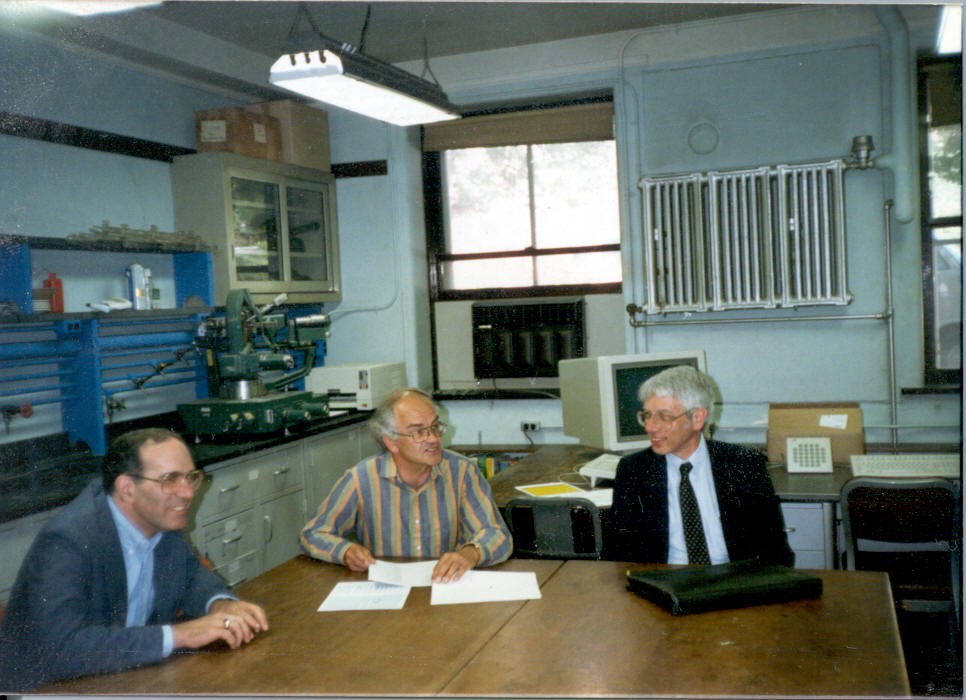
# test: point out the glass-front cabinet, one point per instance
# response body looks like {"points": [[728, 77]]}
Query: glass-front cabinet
{"points": [[272, 226]]}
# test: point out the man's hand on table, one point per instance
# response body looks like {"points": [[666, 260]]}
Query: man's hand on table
{"points": [[452, 565], [236, 622]]}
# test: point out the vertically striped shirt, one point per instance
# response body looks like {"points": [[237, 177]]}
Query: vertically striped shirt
{"points": [[371, 505]]}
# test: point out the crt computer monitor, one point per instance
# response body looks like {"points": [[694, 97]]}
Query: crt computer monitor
{"points": [[599, 396]]}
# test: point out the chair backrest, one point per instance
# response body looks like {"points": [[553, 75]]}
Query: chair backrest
{"points": [[555, 527], [909, 528]]}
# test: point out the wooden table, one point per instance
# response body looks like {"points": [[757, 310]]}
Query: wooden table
{"points": [[413, 651], [587, 636]]}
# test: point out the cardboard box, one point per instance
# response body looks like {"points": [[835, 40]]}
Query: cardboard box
{"points": [[841, 422], [238, 131], [304, 131]]}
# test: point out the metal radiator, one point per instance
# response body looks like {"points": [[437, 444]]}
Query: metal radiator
{"points": [[757, 238]]}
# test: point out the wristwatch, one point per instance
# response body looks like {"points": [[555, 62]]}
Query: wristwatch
{"points": [[475, 546]]}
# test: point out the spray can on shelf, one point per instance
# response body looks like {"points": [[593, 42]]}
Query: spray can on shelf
{"points": [[137, 287], [57, 297], [149, 287]]}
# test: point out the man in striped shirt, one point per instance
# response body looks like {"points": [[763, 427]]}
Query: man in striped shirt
{"points": [[414, 499]]}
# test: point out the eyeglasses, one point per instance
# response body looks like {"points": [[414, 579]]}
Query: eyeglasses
{"points": [[171, 482], [660, 417], [422, 434]]}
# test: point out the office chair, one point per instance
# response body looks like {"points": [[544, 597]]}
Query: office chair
{"points": [[909, 528], [554, 528]]}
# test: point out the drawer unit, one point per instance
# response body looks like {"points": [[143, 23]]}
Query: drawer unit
{"points": [[239, 570], [226, 491], [230, 538], [810, 534], [276, 471]]}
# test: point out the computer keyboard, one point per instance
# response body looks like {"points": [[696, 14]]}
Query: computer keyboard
{"points": [[918, 464], [603, 467]]}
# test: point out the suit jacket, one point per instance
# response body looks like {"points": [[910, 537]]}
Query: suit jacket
{"points": [[751, 514], [67, 611]]}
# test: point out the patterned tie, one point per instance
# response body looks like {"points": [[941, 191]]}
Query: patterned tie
{"points": [[691, 517]]}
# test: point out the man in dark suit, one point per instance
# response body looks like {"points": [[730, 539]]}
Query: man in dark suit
{"points": [[684, 478], [110, 583]]}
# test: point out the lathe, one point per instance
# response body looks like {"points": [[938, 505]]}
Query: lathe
{"points": [[253, 357]]}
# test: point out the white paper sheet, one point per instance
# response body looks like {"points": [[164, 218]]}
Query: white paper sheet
{"points": [[487, 586], [364, 595], [415, 573]]}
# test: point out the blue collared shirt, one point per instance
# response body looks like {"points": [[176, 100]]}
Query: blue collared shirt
{"points": [[702, 480], [138, 553]]}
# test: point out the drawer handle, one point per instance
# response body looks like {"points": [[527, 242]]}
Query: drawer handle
{"points": [[226, 489], [282, 472], [229, 540], [789, 529]]}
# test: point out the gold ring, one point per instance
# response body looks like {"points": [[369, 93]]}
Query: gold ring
{"points": [[227, 623]]}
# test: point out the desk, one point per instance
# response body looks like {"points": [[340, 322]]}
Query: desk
{"points": [[551, 462], [587, 636], [808, 500]]}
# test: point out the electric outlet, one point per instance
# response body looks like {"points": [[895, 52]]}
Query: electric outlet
{"points": [[530, 426]]}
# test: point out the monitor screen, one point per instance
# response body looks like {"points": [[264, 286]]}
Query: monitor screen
{"points": [[599, 396]]}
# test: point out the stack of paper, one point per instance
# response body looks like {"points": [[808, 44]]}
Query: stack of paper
{"points": [[389, 585]]}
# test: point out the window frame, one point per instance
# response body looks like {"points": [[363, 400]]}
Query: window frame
{"points": [[437, 255], [932, 375]]}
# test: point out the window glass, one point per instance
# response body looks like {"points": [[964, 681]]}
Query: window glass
{"points": [[940, 104], [947, 280], [487, 199], [946, 171], [535, 199], [575, 193]]}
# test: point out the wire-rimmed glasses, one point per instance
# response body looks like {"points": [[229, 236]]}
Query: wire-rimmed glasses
{"points": [[171, 482], [422, 434], [661, 417]]}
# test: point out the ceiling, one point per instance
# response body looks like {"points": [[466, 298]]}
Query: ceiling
{"points": [[406, 31]]}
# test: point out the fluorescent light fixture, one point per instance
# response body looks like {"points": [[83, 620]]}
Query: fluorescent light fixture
{"points": [[950, 39], [84, 8], [335, 73]]}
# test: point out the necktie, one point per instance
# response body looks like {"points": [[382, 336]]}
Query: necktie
{"points": [[691, 518]]}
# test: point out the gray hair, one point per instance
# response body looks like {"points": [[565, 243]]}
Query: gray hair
{"points": [[383, 421], [692, 388]]}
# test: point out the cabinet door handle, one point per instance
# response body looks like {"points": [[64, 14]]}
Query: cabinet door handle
{"points": [[268, 528]]}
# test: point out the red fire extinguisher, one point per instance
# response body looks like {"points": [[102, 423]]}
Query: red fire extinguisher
{"points": [[57, 298]]}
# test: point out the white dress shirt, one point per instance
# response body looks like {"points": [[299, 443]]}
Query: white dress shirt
{"points": [[702, 481]]}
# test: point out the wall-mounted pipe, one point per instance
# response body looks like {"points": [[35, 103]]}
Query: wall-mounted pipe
{"points": [[633, 310], [893, 381], [902, 160]]}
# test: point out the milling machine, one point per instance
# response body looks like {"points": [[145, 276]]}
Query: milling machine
{"points": [[250, 356]]}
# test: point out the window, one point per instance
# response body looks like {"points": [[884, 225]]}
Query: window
{"points": [[940, 103], [524, 204]]}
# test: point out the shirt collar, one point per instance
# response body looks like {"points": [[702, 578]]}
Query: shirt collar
{"points": [[132, 539], [387, 469], [699, 459]]}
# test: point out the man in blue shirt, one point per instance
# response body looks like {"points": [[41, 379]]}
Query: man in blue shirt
{"points": [[110, 583], [724, 489]]}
